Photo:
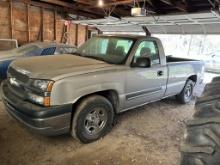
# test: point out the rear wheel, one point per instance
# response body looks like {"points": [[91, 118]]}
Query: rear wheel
{"points": [[93, 119], [186, 94], [201, 145]]}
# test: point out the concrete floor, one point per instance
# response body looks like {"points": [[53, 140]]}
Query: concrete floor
{"points": [[149, 135]]}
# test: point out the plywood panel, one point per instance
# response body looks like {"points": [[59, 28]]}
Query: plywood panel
{"points": [[35, 22], [19, 22], [72, 33], [4, 21], [48, 25], [81, 34], [20, 26]]}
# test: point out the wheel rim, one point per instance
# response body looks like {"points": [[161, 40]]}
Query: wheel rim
{"points": [[95, 121], [188, 92]]}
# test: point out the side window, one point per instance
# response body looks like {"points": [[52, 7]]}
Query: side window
{"points": [[148, 49], [124, 46]]}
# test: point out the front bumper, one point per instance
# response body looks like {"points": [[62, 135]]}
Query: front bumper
{"points": [[54, 120]]}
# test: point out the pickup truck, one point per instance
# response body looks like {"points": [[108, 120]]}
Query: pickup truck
{"points": [[82, 93]]}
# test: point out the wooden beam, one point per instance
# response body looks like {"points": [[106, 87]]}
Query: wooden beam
{"points": [[77, 8], [95, 5], [55, 24], [71, 9], [86, 36], [28, 22], [42, 23], [175, 4], [76, 35], [58, 2], [11, 18]]}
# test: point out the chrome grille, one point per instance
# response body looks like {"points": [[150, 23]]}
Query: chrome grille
{"points": [[22, 79], [19, 76]]}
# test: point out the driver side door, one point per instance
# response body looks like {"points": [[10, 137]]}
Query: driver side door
{"points": [[146, 84]]}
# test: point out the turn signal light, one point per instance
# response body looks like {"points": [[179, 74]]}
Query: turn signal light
{"points": [[46, 101]]}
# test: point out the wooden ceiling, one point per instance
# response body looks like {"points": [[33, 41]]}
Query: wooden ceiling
{"points": [[122, 8]]}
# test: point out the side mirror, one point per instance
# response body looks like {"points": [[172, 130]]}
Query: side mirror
{"points": [[142, 62]]}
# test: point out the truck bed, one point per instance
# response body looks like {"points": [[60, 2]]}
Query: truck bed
{"points": [[171, 59]]}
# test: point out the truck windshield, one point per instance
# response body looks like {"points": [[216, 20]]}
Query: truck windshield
{"points": [[112, 50]]}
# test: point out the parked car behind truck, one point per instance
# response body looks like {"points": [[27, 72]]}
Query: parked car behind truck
{"points": [[81, 93], [29, 50]]}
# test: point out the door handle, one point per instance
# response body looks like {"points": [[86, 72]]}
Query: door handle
{"points": [[160, 73]]}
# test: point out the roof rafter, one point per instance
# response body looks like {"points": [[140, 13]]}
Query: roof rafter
{"points": [[177, 5]]}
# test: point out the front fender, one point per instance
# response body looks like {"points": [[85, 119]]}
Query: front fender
{"points": [[70, 90]]}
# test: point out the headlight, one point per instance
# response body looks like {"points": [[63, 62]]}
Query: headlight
{"points": [[41, 100], [43, 85], [36, 99]]}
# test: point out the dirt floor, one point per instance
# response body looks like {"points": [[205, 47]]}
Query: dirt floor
{"points": [[148, 135]]}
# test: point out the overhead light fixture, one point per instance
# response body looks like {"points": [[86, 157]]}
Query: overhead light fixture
{"points": [[137, 11], [100, 3]]}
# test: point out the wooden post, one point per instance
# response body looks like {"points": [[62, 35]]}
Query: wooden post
{"points": [[28, 22], [55, 24], [76, 35], [87, 29], [42, 24], [11, 18]]}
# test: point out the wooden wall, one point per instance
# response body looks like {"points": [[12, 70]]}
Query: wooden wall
{"points": [[28, 22]]}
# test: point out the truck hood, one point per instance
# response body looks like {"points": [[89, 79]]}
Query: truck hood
{"points": [[58, 66]]}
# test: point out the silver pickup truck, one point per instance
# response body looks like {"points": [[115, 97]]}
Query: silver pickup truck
{"points": [[81, 93]]}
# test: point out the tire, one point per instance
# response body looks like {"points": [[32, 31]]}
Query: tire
{"points": [[93, 119], [201, 143], [186, 95]]}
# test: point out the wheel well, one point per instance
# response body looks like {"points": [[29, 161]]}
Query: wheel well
{"points": [[111, 95], [193, 78]]}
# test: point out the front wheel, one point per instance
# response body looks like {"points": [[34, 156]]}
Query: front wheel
{"points": [[93, 119], [186, 94]]}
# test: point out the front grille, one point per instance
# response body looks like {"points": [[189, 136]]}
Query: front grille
{"points": [[19, 76], [20, 90]]}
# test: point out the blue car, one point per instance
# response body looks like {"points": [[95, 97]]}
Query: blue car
{"points": [[29, 50]]}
